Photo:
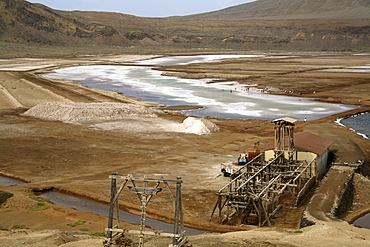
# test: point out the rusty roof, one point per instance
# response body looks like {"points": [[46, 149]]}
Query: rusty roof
{"points": [[307, 142]]}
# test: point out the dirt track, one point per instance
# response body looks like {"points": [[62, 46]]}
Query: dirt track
{"points": [[79, 158]]}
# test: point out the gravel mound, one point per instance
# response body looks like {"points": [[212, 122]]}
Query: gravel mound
{"points": [[89, 112]]}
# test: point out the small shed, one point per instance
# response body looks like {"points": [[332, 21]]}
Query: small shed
{"points": [[308, 147]]}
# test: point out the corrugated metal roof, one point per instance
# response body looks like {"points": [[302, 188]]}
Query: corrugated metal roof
{"points": [[307, 142]]}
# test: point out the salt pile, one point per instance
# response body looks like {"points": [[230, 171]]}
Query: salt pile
{"points": [[109, 116], [199, 126], [88, 112]]}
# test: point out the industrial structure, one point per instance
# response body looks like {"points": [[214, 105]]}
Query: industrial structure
{"points": [[290, 166], [150, 187]]}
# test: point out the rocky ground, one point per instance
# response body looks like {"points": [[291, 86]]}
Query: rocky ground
{"points": [[78, 157]]}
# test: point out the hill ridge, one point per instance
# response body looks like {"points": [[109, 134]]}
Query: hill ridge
{"points": [[23, 23], [291, 9]]}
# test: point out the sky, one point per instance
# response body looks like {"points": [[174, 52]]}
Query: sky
{"points": [[143, 8]]}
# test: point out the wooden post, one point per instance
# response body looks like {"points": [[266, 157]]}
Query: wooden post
{"points": [[142, 219], [145, 194], [219, 201], [240, 213], [177, 211], [111, 205], [259, 212]]}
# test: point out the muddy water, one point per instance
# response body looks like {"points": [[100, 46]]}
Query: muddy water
{"points": [[83, 204], [363, 222], [10, 181]]}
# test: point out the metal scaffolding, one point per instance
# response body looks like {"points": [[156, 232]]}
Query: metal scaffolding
{"points": [[145, 194]]}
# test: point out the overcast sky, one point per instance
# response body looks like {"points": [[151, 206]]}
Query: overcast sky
{"points": [[144, 8]]}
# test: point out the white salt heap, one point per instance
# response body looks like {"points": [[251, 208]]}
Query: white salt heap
{"points": [[199, 126], [88, 112], [119, 117]]}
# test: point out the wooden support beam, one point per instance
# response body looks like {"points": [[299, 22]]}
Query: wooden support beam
{"points": [[258, 192], [111, 205], [145, 194]]}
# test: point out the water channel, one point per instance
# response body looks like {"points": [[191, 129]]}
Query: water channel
{"points": [[363, 221], [10, 181], [84, 205]]}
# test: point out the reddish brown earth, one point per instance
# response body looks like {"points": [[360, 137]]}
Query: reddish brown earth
{"points": [[78, 158]]}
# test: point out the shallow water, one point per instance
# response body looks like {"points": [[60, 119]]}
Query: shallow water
{"points": [[363, 222], [84, 205], [10, 181], [358, 123], [223, 100], [180, 60]]}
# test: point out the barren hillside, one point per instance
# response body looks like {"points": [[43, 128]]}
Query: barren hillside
{"points": [[266, 25], [292, 9]]}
